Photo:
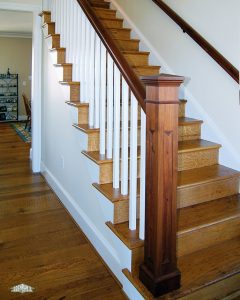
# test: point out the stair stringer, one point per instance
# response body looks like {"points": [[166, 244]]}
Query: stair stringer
{"points": [[113, 251]]}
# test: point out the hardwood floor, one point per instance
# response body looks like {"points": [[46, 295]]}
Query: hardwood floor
{"points": [[40, 245]]}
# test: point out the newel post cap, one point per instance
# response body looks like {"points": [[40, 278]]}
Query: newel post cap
{"points": [[162, 80]]}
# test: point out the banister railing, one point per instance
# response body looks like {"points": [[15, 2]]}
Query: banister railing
{"points": [[118, 102], [216, 55]]}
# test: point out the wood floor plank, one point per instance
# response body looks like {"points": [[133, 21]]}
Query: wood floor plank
{"points": [[40, 245]]}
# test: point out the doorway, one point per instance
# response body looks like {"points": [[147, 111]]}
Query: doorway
{"points": [[34, 9]]}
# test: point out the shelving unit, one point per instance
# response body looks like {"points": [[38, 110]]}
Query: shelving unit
{"points": [[8, 97]]}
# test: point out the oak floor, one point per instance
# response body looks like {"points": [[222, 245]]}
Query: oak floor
{"points": [[40, 245]]}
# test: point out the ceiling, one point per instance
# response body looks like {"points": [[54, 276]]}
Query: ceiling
{"points": [[15, 23]]}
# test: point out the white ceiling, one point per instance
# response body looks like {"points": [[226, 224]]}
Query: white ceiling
{"points": [[15, 22]]}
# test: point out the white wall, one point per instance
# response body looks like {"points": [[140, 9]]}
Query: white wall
{"points": [[71, 174], [212, 94]]}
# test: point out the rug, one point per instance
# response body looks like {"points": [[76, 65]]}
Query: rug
{"points": [[24, 134]]}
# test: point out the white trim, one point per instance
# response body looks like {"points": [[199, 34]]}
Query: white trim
{"points": [[23, 35], [36, 77], [36, 92]]}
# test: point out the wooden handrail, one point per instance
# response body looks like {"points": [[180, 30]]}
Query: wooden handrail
{"points": [[127, 72], [217, 56]]}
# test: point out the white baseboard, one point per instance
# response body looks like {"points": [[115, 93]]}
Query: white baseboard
{"points": [[100, 243]]}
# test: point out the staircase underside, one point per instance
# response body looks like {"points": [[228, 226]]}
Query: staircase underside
{"points": [[208, 239]]}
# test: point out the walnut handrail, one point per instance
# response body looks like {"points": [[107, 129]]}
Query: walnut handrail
{"points": [[217, 56], [130, 76]]}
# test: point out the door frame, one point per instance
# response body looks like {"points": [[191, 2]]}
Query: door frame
{"points": [[36, 82]]}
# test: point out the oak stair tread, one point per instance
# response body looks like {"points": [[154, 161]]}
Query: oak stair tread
{"points": [[185, 146], [101, 4], [114, 195], [102, 159], [57, 49], [208, 213], [88, 129], [189, 219], [44, 12], [200, 269], [52, 35], [196, 145], [47, 23], [69, 82], [186, 179], [62, 65], [206, 174], [110, 19], [77, 104]]}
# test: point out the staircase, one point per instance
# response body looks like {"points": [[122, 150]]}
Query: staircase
{"points": [[208, 200]]}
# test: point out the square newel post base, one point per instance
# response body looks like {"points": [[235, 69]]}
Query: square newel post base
{"points": [[161, 285]]}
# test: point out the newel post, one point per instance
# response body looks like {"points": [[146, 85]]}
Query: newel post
{"points": [[159, 271]]}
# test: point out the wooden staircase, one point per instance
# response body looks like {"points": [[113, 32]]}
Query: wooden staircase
{"points": [[208, 200]]}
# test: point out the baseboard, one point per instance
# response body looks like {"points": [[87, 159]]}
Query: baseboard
{"points": [[102, 246]]}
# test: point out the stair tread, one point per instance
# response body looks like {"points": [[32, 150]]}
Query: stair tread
{"points": [[189, 219], [196, 145], [147, 67], [77, 104], [56, 49], [63, 64], [205, 174], [200, 269], [69, 82], [127, 40], [185, 146], [88, 129], [188, 121], [185, 179], [111, 19], [51, 35], [135, 52], [104, 9], [120, 29], [193, 217]]}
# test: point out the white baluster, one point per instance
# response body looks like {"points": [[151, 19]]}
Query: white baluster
{"points": [[87, 61], [71, 29], [109, 107], [75, 41], [103, 100], [82, 59], [142, 176], [116, 122], [91, 76], [57, 19], [64, 19], [79, 49], [133, 164], [97, 82], [61, 21], [124, 170]]}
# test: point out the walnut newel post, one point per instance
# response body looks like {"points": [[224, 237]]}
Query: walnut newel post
{"points": [[159, 271]]}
